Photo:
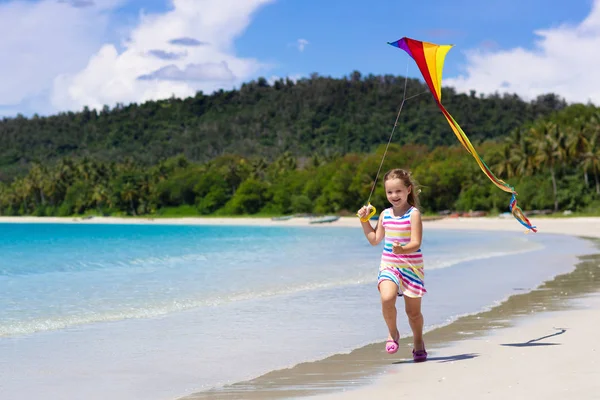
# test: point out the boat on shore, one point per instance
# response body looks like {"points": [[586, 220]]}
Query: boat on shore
{"points": [[283, 218], [325, 219]]}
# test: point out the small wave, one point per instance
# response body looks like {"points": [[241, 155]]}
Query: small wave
{"points": [[446, 263], [26, 327], [92, 265], [168, 259]]}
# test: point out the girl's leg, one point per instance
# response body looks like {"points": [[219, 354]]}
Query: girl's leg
{"points": [[415, 319], [389, 292]]}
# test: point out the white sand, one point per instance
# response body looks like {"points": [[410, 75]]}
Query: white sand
{"points": [[582, 226], [585, 226]]}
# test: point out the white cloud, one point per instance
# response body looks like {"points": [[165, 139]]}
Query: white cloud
{"points": [[563, 61], [41, 40], [148, 69], [302, 43]]}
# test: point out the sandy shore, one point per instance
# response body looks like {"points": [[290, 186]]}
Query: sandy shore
{"points": [[585, 226]]}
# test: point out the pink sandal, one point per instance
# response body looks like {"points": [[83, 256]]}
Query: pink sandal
{"points": [[391, 346]]}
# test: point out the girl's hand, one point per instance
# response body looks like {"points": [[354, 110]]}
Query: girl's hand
{"points": [[397, 248], [364, 211]]}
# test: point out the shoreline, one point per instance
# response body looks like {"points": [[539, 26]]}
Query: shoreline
{"points": [[574, 226]]}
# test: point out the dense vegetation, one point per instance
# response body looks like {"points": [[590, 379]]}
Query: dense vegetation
{"points": [[310, 147], [319, 115]]}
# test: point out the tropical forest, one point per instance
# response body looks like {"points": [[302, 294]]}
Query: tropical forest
{"points": [[310, 146]]}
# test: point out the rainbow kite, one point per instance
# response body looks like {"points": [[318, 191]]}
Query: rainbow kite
{"points": [[430, 60]]}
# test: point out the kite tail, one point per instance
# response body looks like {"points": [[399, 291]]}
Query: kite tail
{"points": [[518, 213], [464, 140]]}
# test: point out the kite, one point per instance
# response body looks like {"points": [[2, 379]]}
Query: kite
{"points": [[430, 57]]}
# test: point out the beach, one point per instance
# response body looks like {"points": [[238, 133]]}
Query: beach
{"points": [[539, 342]]}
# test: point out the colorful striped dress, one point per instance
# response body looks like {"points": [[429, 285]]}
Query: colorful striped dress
{"points": [[406, 270]]}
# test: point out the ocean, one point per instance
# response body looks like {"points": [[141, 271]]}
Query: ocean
{"points": [[100, 311]]}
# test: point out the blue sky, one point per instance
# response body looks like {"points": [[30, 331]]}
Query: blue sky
{"points": [[64, 54], [346, 35]]}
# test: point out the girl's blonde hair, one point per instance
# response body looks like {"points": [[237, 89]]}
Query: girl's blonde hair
{"points": [[407, 179]]}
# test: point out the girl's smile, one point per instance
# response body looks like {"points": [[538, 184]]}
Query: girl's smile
{"points": [[396, 192]]}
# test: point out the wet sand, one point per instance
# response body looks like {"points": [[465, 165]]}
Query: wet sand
{"points": [[364, 372]]}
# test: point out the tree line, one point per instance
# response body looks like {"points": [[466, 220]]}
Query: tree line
{"points": [[553, 162]]}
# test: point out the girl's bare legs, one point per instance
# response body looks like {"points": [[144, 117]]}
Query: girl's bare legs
{"points": [[389, 292], [415, 319]]}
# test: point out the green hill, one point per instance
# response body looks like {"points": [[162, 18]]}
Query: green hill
{"points": [[317, 115]]}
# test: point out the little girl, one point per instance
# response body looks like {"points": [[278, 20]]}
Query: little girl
{"points": [[401, 268]]}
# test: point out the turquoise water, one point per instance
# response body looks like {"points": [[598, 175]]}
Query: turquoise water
{"points": [[161, 311], [58, 275]]}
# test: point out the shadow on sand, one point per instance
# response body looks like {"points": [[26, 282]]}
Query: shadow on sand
{"points": [[533, 342], [458, 357]]}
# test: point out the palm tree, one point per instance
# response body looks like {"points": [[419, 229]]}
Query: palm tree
{"points": [[100, 196], [551, 151], [258, 167], [591, 158], [505, 166], [22, 189], [577, 143], [6, 198], [523, 157], [129, 193]]}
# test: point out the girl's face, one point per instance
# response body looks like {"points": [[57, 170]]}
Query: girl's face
{"points": [[397, 192]]}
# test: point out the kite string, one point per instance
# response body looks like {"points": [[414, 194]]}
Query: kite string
{"points": [[392, 134]]}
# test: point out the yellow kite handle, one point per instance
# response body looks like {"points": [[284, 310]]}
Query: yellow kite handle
{"points": [[368, 217]]}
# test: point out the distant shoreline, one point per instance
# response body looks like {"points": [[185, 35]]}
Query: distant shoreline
{"points": [[577, 226]]}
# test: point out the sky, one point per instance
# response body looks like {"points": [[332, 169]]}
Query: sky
{"points": [[62, 55]]}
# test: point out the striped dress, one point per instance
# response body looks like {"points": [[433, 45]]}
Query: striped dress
{"points": [[406, 270]]}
